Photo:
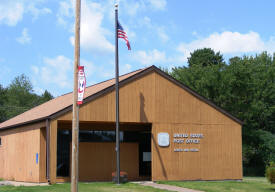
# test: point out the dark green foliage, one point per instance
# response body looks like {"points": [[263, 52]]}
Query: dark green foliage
{"points": [[270, 173], [3, 98], [19, 97], [245, 87], [205, 57]]}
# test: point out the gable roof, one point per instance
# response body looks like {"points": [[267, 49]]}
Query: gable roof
{"points": [[63, 104]]}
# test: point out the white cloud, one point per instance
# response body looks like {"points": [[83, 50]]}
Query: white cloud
{"points": [[146, 21], [125, 69], [133, 7], [93, 34], [36, 12], [57, 74], [154, 28], [35, 70], [162, 34], [65, 10], [158, 4], [55, 71], [151, 57], [8, 15], [229, 43], [24, 38], [12, 11], [89, 67]]}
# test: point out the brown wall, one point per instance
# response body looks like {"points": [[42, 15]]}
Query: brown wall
{"points": [[97, 161], [136, 104], [152, 99], [172, 109], [18, 153], [43, 155], [219, 155], [53, 150], [220, 151]]}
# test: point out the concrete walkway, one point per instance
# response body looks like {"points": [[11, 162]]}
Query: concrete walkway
{"points": [[167, 187], [16, 183]]}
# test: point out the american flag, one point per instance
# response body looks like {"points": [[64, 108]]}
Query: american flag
{"points": [[122, 34]]}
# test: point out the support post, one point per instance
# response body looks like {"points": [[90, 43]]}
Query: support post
{"points": [[117, 101], [75, 122], [48, 150]]}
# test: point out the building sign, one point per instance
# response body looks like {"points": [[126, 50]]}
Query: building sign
{"points": [[81, 84], [185, 138], [163, 139]]}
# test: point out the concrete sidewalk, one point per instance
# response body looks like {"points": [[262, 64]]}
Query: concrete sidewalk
{"points": [[166, 187], [15, 183]]}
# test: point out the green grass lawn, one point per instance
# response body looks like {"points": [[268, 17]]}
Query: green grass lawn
{"points": [[249, 184], [84, 187]]}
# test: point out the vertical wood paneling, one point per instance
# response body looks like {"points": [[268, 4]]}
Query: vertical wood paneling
{"points": [[150, 99], [53, 150], [42, 156], [97, 161], [18, 153], [177, 111], [137, 103], [171, 109]]}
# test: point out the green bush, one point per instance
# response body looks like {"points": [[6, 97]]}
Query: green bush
{"points": [[270, 172]]}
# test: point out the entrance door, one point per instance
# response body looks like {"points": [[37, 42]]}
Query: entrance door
{"points": [[145, 155]]}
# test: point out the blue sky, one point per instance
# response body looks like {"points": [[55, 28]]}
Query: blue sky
{"points": [[37, 36]]}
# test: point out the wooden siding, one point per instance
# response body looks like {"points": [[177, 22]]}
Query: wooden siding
{"points": [[18, 153], [148, 99], [219, 155], [157, 100], [133, 105], [220, 151], [53, 150], [97, 161], [43, 155]]}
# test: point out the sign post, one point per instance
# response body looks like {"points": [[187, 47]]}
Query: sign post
{"points": [[75, 121]]}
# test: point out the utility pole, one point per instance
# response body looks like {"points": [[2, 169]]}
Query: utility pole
{"points": [[75, 123]]}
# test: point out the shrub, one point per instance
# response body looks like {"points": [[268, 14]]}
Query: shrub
{"points": [[270, 172]]}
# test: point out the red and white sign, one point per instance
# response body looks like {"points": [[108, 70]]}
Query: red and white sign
{"points": [[81, 84]]}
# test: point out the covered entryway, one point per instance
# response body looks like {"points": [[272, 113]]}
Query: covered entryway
{"points": [[97, 157]]}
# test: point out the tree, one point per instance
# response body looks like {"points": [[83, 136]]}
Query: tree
{"points": [[19, 97], [204, 73], [46, 96], [205, 57], [3, 99]]}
